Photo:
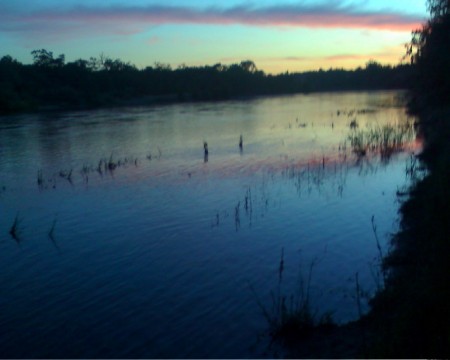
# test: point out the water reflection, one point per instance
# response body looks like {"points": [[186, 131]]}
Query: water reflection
{"points": [[126, 223], [313, 179]]}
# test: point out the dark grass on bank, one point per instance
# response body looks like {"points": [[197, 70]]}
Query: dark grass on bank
{"points": [[411, 316]]}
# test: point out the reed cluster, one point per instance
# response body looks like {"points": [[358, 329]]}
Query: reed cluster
{"points": [[384, 140]]}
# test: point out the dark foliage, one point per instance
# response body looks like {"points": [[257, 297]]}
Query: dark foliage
{"points": [[429, 52], [412, 314], [51, 83]]}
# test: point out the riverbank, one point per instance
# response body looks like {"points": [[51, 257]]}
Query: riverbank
{"points": [[411, 316], [50, 83]]}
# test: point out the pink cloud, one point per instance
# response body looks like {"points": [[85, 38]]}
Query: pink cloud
{"points": [[128, 20]]}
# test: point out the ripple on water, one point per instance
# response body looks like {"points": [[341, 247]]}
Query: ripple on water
{"points": [[156, 258]]}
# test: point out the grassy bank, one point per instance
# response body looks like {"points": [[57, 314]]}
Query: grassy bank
{"points": [[411, 316]]}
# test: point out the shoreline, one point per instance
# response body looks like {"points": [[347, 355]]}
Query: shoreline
{"points": [[173, 99], [409, 317]]}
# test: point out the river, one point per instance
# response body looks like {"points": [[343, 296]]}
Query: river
{"points": [[119, 237]]}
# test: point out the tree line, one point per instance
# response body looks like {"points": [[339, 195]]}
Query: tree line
{"points": [[51, 82]]}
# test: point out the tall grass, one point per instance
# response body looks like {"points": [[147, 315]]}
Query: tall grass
{"points": [[384, 140], [40, 179], [51, 233], [412, 314], [291, 317]]}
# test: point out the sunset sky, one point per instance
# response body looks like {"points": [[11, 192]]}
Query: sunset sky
{"points": [[277, 35]]}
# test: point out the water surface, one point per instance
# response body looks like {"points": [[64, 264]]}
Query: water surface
{"points": [[156, 255]]}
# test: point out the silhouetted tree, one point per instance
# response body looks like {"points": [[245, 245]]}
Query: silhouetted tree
{"points": [[438, 8], [8, 60], [94, 64], [248, 65], [373, 65], [162, 67], [45, 58], [429, 52], [116, 65], [101, 80]]}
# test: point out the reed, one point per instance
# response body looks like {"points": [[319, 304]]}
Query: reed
{"points": [[237, 217], [85, 173], [40, 179], [86, 169], [100, 167], [383, 140], [51, 233], [358, 295], [111, 164], [291, 317], [248, 206], [69, 177], [354, 124], [378, 272], [13, 231]]}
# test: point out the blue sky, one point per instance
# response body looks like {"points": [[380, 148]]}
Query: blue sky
{"points": [[278, 36]]}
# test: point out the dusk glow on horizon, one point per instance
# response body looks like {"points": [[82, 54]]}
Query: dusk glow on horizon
{"points": [[278, 36]]}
